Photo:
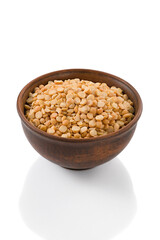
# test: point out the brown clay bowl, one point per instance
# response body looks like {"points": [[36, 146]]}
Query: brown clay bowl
{"points": [[79, 153]]}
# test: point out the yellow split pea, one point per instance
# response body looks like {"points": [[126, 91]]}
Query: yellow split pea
{"points": [[77, 108]]}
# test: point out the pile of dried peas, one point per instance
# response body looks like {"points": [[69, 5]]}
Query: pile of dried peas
{"points": [[77, 108]]}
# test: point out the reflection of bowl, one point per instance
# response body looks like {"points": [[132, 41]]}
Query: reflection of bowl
{"points": [[79, 153], [95, 204]]}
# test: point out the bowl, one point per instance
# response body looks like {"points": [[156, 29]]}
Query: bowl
{"points": [[79, 153]]}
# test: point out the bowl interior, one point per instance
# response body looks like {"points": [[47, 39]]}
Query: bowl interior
{"points": [[85, 74]]}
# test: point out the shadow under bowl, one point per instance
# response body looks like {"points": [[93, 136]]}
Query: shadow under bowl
{"points": [[79, 153]]}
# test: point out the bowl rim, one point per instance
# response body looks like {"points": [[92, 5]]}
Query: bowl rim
{"points": [[98, 138]]}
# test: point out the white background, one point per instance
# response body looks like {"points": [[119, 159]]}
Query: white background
{"points": [[120, 199]]}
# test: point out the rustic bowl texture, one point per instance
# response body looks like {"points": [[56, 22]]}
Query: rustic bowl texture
{"points": [[79, 153]]}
